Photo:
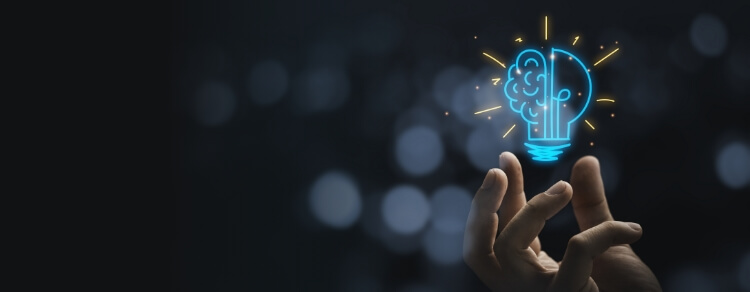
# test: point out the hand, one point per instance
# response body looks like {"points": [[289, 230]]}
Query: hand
{"points": [[504, 250], [618, 268]]}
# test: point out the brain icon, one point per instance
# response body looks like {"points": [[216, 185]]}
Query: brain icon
{"points": [[526, 87]]}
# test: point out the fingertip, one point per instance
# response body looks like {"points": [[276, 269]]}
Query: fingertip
{"points": [[629, 232], [635, 226], [494, 177], [585, 163], [559, 188]]}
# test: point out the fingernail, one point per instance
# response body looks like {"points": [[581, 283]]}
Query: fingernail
{"points": [[635, 226], [556, 189], [489, 180]]}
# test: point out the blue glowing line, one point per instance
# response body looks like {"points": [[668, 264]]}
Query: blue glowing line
{"points": [[520, 102], [545, 153]]}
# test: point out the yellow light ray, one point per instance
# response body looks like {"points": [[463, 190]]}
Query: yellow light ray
{"points": [[592, 127], [493, 58], [519, 40], [511, 129], [545, 28], [575, 40], [489, 109], [610, 54], [496, 80], [606, 99]]}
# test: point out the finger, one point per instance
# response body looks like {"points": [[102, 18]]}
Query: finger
{"points": [[527, 224], [575, 268], [515, 197], [589, 203], [482, 224]]}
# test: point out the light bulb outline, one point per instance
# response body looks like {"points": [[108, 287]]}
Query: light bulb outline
{"points": [[548, 147]]}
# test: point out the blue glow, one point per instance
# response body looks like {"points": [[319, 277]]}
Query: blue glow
{"points": [[547, 138]]}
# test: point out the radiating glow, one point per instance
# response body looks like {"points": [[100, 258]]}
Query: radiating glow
{"points": [[575, 40], [493, 58], [519, 40], [489, 109], [508, 132], [610, 54], [496, 81], [605, 99], [587, 122], [545, 28]]}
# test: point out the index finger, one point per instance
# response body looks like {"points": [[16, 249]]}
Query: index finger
{"points": [[482, 224], [589, 203]]}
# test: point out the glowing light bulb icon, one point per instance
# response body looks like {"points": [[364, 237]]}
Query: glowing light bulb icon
{"points": [[538, 92]]}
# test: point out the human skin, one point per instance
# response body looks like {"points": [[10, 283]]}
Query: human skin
{"points": [[501, 243]]}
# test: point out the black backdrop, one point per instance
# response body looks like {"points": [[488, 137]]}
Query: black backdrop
{"points": [[242, 171]]}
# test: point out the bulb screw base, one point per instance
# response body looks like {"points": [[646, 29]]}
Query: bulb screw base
{"points": [[545, 152]]}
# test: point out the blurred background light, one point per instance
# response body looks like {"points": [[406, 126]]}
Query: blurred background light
{"points": [[743, 272], [690, 279], [738, 71], [267, 82], [416, 116], [405, 209], [379, 34], [443, 248], [446, 82], [733, 164], [214, 104], [708, 35], [419, 150], [321, 89], [450, 207], [609, 166], [443, 241], [417, 287], [649, 93], [335, 200], [684, 55], [485, 143]]}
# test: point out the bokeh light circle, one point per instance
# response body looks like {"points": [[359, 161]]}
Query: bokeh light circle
{"points": [[267, 82], [335, 200], [321, 89], [708, 35], [690, 279], [732, 165], [419, 150], [443, 248], [214, 104], [405, 209], [450, 207]]}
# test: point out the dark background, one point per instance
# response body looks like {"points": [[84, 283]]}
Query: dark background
{"points": [[267, 97]]}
